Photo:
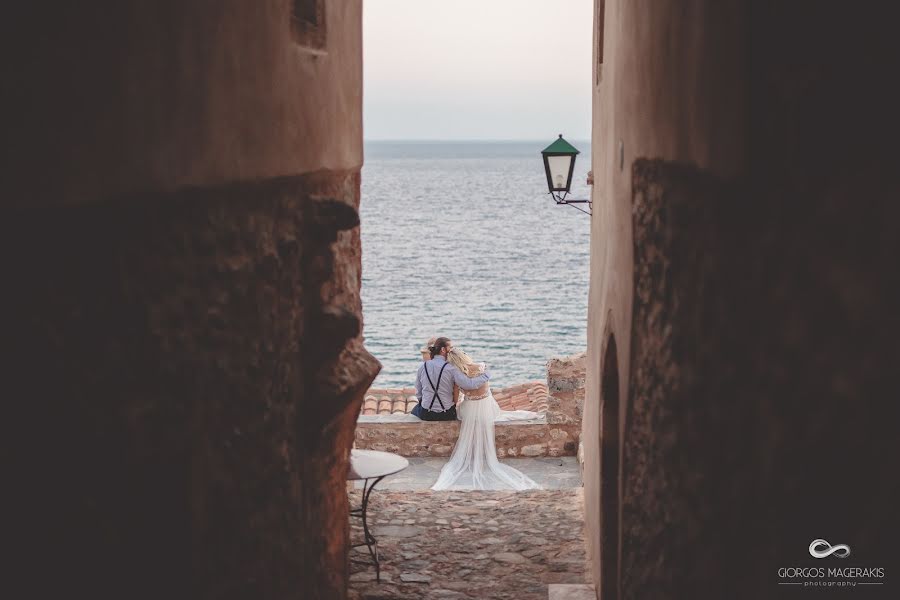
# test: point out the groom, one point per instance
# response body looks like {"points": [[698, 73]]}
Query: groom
{"points": [[434, 384]]}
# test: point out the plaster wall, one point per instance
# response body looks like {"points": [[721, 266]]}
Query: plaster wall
{"points": [[112, 98]]}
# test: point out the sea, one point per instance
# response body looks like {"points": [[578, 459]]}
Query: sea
{"points": [[461, 239]]}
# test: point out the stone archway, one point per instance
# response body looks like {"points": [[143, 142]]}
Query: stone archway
{"points": [[609, 473]]}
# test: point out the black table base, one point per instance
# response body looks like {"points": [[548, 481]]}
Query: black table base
{"points": [[370, 542]]}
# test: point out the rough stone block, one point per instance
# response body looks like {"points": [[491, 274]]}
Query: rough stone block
{"points": [[202, 348], [534, 450]]}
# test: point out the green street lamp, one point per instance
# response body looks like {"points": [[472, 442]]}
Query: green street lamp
{"points": [[559, 163]]}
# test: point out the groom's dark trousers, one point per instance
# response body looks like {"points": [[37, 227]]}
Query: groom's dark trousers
{"points": [[430, 415]]}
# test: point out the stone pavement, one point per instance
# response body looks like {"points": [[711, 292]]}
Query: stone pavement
{"points": [[470, 545], [551, 473]]}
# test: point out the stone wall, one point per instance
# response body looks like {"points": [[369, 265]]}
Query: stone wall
{"points": [[669, 85], [182, 267], [565, 384], [742, 284], [556, 433], [420, 438], [186, 422]]}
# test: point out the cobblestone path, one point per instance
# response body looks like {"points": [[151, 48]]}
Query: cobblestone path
{"points": [[470, 545]]}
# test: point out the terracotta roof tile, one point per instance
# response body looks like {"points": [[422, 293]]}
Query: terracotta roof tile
{"points": [[384, 405]]}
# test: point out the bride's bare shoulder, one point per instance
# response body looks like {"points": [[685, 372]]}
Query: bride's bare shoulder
{"points": [[474, 369]]}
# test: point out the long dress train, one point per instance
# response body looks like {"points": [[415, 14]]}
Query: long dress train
{"points": [[473, 464]]}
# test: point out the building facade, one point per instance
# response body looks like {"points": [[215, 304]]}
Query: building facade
{"points": [[736, 346], [182, 183]]}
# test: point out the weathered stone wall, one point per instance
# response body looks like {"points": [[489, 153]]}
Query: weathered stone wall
{"points": [[668, 83], [746, 273], [681, 442], [182, 268], [565, 382], [192, 436], [556, 433], [525, 438]]}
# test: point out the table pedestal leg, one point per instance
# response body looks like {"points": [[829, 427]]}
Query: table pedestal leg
{"points": [[370, 542]]}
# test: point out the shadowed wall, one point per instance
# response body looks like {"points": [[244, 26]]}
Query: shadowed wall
{"points": [[183, 268], [743, 258]]}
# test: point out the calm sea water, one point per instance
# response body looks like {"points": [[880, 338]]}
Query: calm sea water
{"points": [[461, 239]]}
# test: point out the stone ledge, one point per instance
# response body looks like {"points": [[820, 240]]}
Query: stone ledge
{"points": [[385, 423], [423, 439], [531, 395], [394, 419]]}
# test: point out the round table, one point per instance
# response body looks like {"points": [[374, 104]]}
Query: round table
{"points": [[371, 465]]}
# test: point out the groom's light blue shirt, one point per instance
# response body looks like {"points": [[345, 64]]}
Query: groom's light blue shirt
{"points": [[452, 375]]}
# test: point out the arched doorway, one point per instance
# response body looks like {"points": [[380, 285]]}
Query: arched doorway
{"points": [[609, 474]]}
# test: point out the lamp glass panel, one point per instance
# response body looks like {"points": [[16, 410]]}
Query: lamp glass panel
{"points": [[559, 171]]}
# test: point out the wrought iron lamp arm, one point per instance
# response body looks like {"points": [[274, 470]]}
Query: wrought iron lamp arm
{"points": [[563, 199]]}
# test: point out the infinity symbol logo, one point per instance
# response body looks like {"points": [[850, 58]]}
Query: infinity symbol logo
{"points": [[821, 549]]}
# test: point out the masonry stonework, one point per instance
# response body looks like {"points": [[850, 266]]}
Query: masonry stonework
{"points": [[565, 384], [384, 423], [742, 277], [527, 438], [182, 268]]}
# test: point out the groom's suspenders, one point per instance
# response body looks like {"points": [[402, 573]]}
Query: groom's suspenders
{"points": [[434, 387]]}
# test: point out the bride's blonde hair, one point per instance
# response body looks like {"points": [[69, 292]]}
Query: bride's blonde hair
{"points": [[463, 362]]}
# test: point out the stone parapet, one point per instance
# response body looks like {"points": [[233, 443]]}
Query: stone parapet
{"points": [[385, 424], [421, 439], [565, 386]]}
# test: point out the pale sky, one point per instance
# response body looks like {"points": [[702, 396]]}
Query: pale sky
{"points": [[477, 69]]}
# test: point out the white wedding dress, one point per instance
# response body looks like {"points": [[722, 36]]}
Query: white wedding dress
{"points": [[473, 464]]}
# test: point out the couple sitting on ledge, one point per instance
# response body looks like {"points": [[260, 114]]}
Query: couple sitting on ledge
{"points": [[441, 377], [473, 464]]}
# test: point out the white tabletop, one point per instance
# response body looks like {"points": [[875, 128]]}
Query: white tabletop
{"points": [[366, 464]]}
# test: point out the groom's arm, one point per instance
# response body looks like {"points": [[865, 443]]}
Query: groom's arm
{"points": [[419, 383], [470, 383]]}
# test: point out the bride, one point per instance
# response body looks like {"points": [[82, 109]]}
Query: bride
{"points": [[474, 464]]}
